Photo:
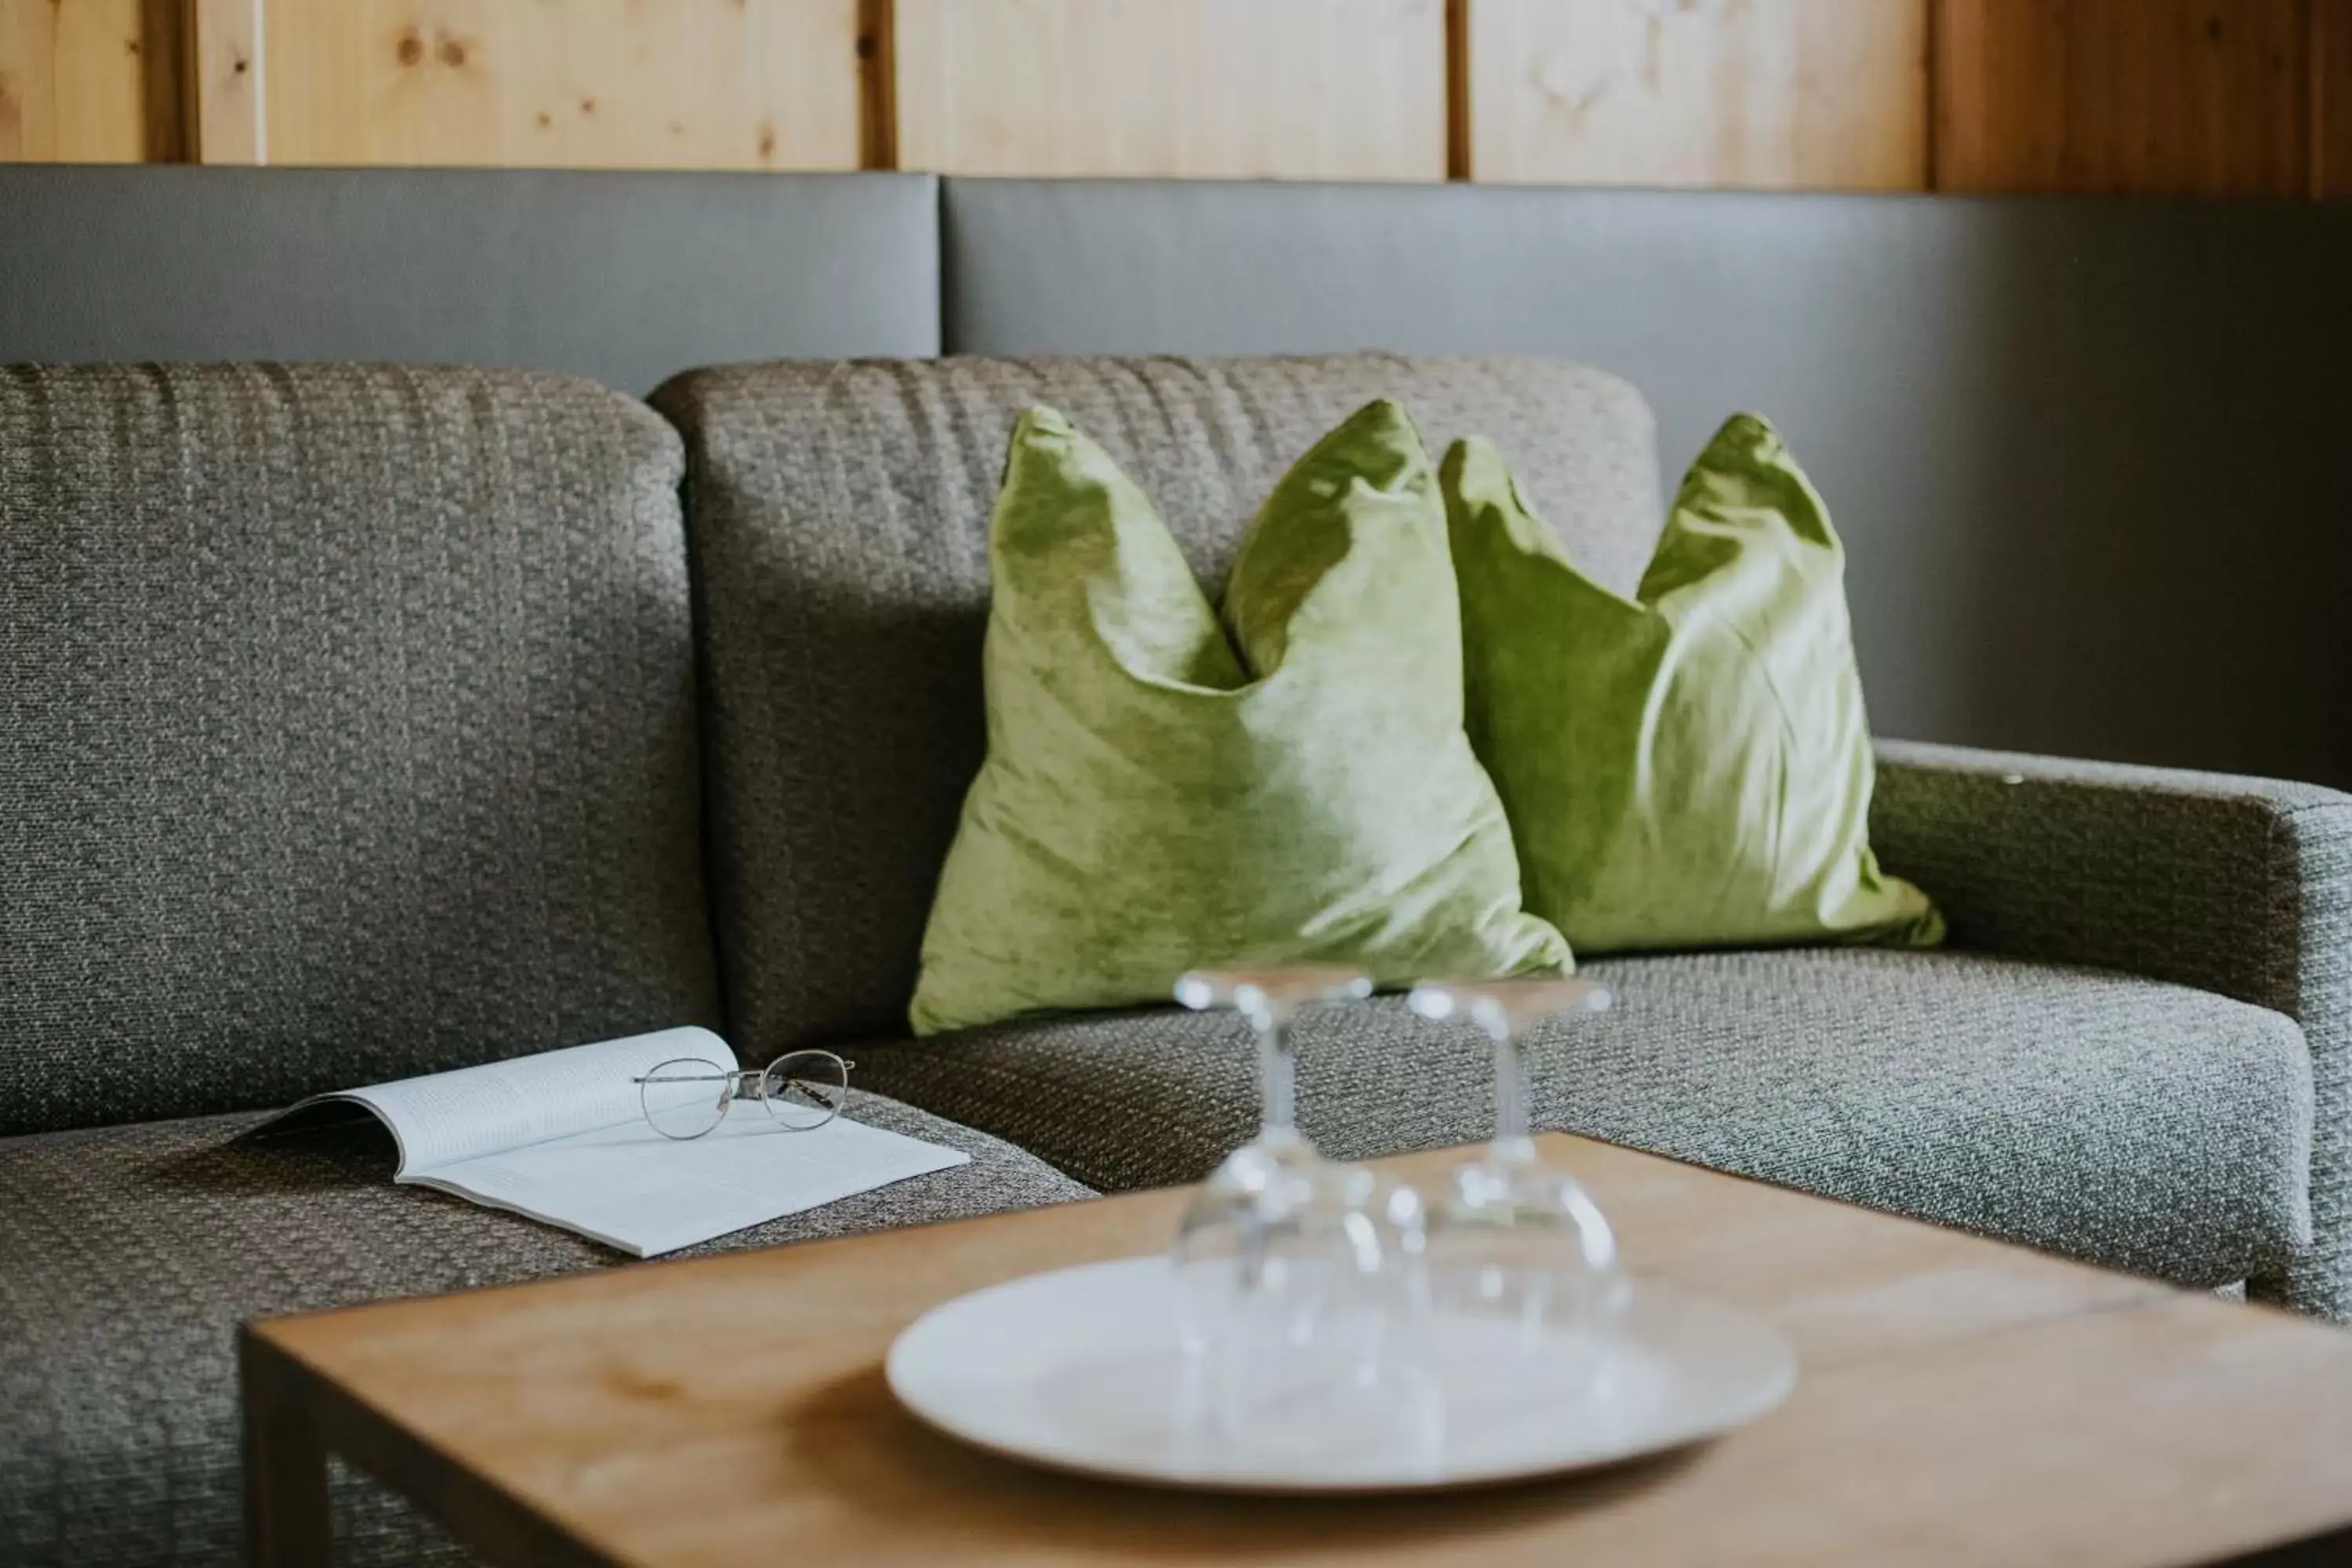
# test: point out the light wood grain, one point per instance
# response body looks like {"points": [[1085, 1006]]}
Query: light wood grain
{"points": [[728, 84], [1281, 88], [225, 69], [1961, 1401], [1826, 94], [2198, 97], [74, 82]]}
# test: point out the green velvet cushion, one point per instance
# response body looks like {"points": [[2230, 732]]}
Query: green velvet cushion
{"points": [[1164, 789], [1693, 769]]}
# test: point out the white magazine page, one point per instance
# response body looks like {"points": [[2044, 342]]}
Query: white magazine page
{"points": [[631, 1188], [561, 1137], [445, 1116]]}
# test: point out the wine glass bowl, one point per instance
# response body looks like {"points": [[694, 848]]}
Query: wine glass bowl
{"points": [[1297, 1285], [1522, 1265], [1277, 1181]]}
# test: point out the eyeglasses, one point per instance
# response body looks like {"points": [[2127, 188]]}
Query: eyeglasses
{"points": [[687, 1097]]}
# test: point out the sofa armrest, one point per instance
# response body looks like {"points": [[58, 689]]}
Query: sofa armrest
{"points": [[2241, 886], [2238, 885]]}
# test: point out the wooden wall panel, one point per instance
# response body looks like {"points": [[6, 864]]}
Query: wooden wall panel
{"points": [[1808, 93], [1297, 89], [742, 84], [2211, 97], [2208, 96], [75, 82]]}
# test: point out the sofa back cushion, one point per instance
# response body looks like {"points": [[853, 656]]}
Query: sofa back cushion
{"points": [[838, 520], [348, 732]]}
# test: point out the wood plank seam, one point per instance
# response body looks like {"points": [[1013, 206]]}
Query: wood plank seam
{"points": [[1931, 100], [1459, 151], [2314, 131], [877, 74]]}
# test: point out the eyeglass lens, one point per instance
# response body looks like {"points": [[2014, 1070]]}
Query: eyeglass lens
{"points": [[685, 1097], [806, 1089]]}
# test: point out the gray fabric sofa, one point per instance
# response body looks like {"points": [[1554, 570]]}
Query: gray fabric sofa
{"points": [[348, 728], [357, 720]]}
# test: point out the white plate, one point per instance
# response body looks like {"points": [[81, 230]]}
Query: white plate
{"points": [[1080, 1370]]}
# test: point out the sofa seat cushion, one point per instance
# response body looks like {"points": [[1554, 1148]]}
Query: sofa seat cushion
{"points": [[2147, 1127], [129, 1254]]}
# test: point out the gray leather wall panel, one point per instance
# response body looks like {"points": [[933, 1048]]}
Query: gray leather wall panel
{"points": [[623, 277], [2089, 457]]}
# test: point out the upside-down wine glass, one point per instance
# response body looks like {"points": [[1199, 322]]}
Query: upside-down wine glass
{"points": [[1522, 1265], [1297, 1277]]}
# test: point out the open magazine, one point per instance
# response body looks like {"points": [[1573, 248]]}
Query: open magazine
{"points": [[562, 1138]]}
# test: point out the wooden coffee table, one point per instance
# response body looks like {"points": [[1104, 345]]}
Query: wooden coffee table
{"points": [[1961, 1401]]}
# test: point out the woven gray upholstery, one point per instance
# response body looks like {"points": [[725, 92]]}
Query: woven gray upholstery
{"points": [[838, 518], [2145, 1126], [348, 732], [2238, 885], [128, 1255]]}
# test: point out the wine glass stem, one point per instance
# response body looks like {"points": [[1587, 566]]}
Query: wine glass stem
{"points": [[1277, 1079], [1510, 1092]]}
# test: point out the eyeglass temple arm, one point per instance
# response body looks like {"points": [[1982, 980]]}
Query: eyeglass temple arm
{"points": [[731, 1075]]}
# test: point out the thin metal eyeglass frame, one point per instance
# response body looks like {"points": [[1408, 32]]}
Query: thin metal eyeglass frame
{"points": [[742, 1083]]}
